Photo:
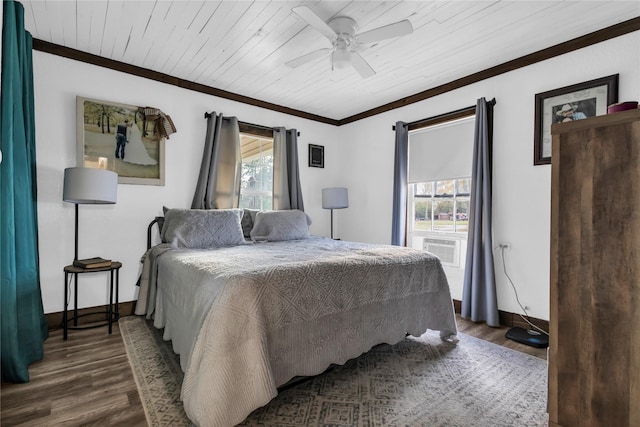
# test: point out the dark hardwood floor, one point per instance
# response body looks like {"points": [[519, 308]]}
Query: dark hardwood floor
{"points": [[87, 380], [496, 336]]}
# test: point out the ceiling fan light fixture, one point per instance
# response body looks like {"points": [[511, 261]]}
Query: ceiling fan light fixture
{"points": [[341, 59], [342, 33]]}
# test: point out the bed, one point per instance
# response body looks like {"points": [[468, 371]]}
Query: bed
{"points": [[250, 300]]}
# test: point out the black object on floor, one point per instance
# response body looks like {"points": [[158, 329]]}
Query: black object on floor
{"points": [[528, 337]]}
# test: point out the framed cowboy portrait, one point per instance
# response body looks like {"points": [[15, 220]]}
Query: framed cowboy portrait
{"points": [[569, 103], [119, 138]]}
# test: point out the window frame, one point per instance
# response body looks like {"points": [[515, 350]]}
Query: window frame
{"points": [[410, 213], [456, 197]]}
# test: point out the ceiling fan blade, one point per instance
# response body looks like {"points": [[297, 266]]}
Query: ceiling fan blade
{"points": [[362, 67], [397, 29], [315, 21], [301, 60]]}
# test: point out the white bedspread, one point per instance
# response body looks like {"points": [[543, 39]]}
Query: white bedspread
{"points": [[247, 319]]}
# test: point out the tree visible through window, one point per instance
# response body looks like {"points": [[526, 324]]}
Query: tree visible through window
{"points": [[256, 186]]}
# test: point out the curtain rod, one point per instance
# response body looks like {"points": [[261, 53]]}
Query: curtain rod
{"points": [[452, 115], [207, 115]]}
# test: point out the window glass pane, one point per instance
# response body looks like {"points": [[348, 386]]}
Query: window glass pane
{"points": [[462, 215], [256, 182], [422, 214], [423, 188], [444, 188], [437, 206], [464, 185], [443, 215]]}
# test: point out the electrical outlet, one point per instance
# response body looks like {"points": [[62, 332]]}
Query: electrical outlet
{"points": [[504, 245]]}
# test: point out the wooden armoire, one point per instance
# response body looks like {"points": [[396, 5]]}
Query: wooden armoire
{"points": [[594, 346]]}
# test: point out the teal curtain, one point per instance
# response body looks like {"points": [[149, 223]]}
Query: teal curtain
{"points": [[23, 326]]}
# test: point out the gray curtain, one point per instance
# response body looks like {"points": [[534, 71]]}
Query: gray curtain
{"points": [[218, 185], [287, 193], [479, 300], [399, 217]]}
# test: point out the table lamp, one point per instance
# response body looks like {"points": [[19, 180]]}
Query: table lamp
{"points": [[88, 186], [334, 198]]}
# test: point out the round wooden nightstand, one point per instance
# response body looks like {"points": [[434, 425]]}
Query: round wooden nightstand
{"points": [[112, 308]]}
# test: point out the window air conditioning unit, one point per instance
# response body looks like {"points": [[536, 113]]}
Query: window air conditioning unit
{"points": [[448, 250]]}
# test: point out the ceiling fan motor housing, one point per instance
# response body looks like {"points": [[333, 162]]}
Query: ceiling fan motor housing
{"points": [[345, 29]]}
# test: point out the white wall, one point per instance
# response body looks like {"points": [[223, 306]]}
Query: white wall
{"points": [[521, 191], [118, 231], [358, 156]]}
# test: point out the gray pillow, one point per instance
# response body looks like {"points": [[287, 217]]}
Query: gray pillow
{"points": [[199, 228], [276, 226]]}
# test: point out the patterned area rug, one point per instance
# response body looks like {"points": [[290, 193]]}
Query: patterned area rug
{"points": [[417, 382]]}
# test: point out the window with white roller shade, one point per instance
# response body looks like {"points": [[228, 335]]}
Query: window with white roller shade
{"points": [[443, 151]]}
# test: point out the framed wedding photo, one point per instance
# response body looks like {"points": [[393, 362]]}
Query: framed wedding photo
{"points": [[569, 103], [316, 156], [119, 138]]}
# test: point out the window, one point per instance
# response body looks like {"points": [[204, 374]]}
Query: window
{"points": [[256, 185], [440, 158], [441, 206]]}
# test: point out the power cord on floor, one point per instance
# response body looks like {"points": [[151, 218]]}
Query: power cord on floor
{"points": [[504, 267]]}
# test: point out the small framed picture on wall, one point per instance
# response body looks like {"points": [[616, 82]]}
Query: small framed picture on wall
{"points": [[316, 156]]}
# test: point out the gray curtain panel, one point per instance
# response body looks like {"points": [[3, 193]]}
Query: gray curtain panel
{"points": [[280, 170], [287, 192], [479, 300], [293, 167], [218, 185], [399, 218]]}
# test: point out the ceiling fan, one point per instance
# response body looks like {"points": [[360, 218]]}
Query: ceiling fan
{"points": [[341, 32]]}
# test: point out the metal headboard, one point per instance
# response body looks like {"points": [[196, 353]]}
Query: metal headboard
{"points": [[157, 220]]}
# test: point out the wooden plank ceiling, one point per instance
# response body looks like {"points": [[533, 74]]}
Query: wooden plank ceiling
{"points": [[242, 46]]}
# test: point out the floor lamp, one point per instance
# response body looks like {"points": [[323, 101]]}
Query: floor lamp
{"points": [[88, 186], [334, 198]]}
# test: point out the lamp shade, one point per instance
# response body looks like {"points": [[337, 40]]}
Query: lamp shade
{"points": [[90, 186], [335, 198]]}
